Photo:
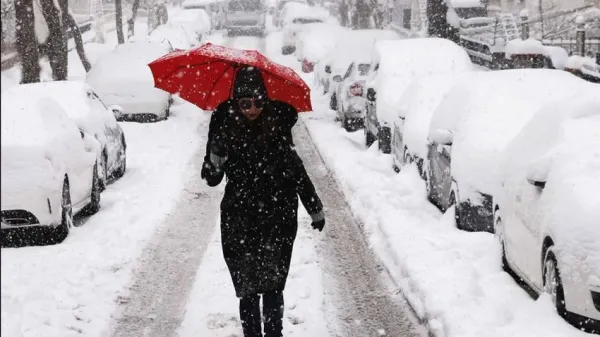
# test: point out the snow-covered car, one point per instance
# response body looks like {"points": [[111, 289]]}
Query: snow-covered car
{"points": [[277, 16], [471, 126], [196, 23], [316, 42], [295, 17], [215, 9], [347, 96], [90, 114], [411, 127], [548, 206], [123, 78], [176, 34], [396, 64], [245, 16], [49, 167]]}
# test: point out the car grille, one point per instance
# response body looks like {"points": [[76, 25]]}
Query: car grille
{"points": [[18, 217], [596, 299]]}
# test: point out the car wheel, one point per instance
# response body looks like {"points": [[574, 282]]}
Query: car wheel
{"points": [[66, 223], [333, 102], [553, 284], [94, 206], [123, 156]]}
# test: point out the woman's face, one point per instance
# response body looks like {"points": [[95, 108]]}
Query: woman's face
{"points": [[251, 107]]}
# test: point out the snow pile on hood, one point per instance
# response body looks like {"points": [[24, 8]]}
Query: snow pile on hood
{"points": [[401, 61], [561, 144], [418, 105], [125, 71], [486, 111], [525, 47], [318, 41]]}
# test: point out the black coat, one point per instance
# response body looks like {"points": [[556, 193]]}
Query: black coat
{"points": [[265, 176]]}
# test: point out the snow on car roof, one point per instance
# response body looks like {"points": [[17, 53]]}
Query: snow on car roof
{"points": [[31, 117], [488, 109], [358, 45]]}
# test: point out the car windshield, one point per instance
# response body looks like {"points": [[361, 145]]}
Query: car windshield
{"points": [[304, 21], [363, 69], [245, 5]]}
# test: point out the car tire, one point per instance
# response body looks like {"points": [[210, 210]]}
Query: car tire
{"points": [[287, 50], [94, 206], [553, 283], [120, 172], [66, 222], [333, 103], [369, 138]]}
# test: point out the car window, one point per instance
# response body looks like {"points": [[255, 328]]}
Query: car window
{"points": [[245, 5], [304, 21], [363, 69]]}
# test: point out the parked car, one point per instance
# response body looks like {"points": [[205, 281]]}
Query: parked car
{"points": [[294, 18], [471, 126], [196, 22], [175, 34], [410, 127], [245, 16], [49, 167], [347, 96], [279, 10], [215, 9], [315, 42], [92, 116], [396, 64], [548, 209], [123, 78]]}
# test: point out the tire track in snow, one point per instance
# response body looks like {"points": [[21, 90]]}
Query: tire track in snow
{"points": [[364, 300], [167, 269]]}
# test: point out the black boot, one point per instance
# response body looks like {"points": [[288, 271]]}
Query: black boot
{"points": [[273, 312], [250, 316]]}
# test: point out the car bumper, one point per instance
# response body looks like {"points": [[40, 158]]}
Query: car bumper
{"points": [[580, 299], [31, 209]]}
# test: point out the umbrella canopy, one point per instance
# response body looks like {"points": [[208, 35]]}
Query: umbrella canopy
{"points": [[205, 75]]}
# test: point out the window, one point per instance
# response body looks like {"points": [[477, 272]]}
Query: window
{"points": [[406, 16]]}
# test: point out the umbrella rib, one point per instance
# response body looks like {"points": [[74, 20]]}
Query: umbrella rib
{"points": [[218, 79]]}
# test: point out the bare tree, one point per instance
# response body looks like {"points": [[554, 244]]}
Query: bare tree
{"points": [[26, 40], [56, 45], [131, 21], [119, 19], [71, 24]]}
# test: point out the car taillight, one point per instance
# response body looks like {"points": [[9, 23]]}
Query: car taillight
{"points": [[356, 89]]}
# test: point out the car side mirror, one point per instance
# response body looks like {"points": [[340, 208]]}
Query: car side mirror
{"points": [[538, 172], [441, 137], [371, 94], [337, 78], [117, 111], [328, 69]]}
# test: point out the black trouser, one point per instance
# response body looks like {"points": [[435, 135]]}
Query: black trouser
{"points": [[272, 311]]}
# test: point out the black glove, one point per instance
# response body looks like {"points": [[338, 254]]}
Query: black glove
{"points": [[218, 155], [318, 221]]}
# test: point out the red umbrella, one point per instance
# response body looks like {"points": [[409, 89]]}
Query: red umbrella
{"points": [[204, 76]]}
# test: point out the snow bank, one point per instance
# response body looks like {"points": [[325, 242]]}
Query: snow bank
{"points": [[525, 47], [453, 279], [70, 289], [401, 61], [487, 110], [558, 55]]}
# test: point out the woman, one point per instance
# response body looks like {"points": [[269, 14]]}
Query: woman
{"points": [[250, 141]]}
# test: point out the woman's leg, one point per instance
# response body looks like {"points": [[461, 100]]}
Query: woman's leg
{"points": [[273, 312], [250, 315]]}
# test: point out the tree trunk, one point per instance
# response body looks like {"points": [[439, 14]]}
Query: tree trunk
{"points": [[27, 44], [131, 22], [56, 46], [119, 19], [72, 24]]}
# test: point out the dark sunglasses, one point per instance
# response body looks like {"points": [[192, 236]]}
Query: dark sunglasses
{"points": [[246, 103]]}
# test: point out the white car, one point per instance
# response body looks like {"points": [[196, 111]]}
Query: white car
{"points": [[245, 16], [214, 9], [548, 207], [196, 22], [123, 78], [277, 16], [294, 17], [316, 42], [49, 167], [178, 36], [90, 114], [478, 117], [396, 64]]}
